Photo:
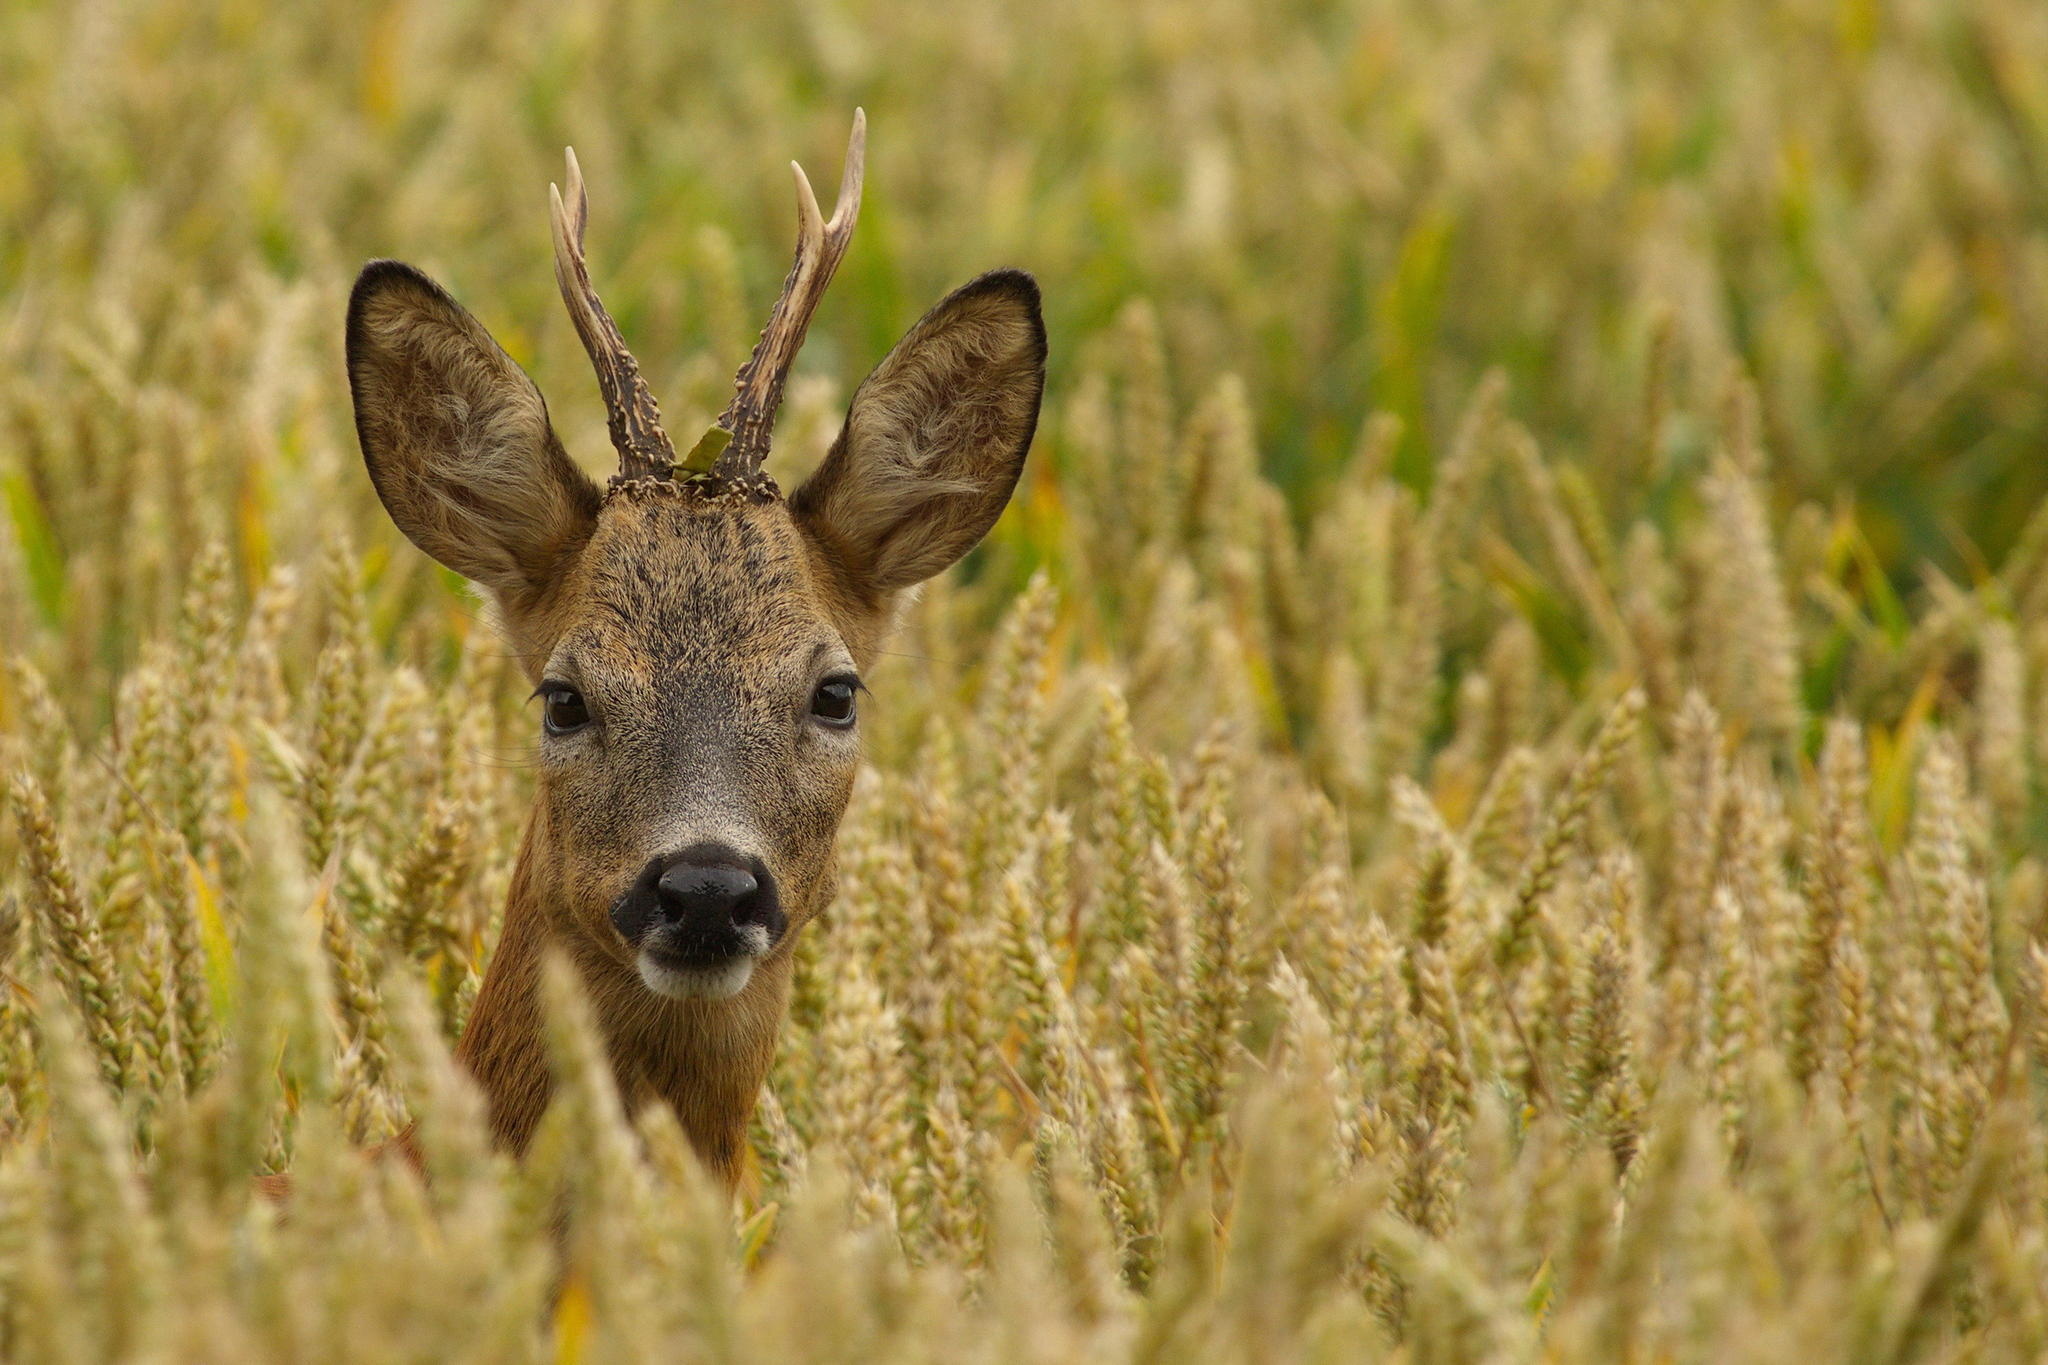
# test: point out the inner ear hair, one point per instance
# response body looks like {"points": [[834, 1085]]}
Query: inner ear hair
{"points": [[935, 438], [457, 439]]}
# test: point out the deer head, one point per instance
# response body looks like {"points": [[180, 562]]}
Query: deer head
{"points": [[695, 640]]}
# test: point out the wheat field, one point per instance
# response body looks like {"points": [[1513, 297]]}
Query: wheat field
{"points": [[1488, 801]]}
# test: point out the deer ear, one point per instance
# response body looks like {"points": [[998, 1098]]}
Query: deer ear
{"points": [[457, 439], [935, 438]]}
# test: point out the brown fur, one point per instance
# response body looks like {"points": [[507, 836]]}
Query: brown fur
{"points": [[696, 619]]}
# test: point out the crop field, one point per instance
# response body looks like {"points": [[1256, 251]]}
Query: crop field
{"points": [[1487, 801]]}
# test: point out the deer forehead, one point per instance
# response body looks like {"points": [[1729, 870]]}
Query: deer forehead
{"points": [[673, 587]]}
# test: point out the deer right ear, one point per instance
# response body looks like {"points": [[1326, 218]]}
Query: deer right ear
{"points": [[457, 439]]}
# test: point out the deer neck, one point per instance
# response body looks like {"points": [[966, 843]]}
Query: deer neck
{"points": [[705, 1059]]}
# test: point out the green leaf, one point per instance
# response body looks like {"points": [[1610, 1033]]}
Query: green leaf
{"points": [[705, 453], [40, 557]]}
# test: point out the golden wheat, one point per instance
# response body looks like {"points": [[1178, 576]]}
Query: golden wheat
{"points": [[1485, 804]]}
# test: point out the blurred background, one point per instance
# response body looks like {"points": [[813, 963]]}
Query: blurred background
{"points": [[1354, 208], [1528, 613]]}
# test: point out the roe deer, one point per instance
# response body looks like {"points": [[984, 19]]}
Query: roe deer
{"points": [[695, 639]]}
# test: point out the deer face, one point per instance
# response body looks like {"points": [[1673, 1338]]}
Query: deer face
{"points": [[698, 732], [696, 645]]}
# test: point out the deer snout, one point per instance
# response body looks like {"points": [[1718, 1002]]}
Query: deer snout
{"points": [[699, 919], [709, 894]]}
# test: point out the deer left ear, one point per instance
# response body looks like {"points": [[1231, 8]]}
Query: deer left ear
{"points": [[935, 438]]}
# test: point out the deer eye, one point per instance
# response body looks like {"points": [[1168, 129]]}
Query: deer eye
{"points": [[832, 703], [562, 710]]}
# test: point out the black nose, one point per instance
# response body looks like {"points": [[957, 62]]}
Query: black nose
{"points": [[708, 902], [704, 894]]}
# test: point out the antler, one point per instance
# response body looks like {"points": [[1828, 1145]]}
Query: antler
{"points": [[630, 409], [757, 388]]}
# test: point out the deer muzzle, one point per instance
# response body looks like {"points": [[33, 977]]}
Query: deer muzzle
{"points": [[700, 920]]}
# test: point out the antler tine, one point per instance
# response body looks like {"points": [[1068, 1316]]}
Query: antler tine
{"points": [[820, 244], [631, 413]]}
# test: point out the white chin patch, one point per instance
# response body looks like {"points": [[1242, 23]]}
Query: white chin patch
{"points": [[720, 982], [697, 983]]}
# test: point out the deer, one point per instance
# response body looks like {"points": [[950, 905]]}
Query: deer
{"points": [[696, 640]]}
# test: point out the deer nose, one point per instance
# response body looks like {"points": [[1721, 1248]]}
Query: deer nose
{"points": [[704, 894], [708, 902]]}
